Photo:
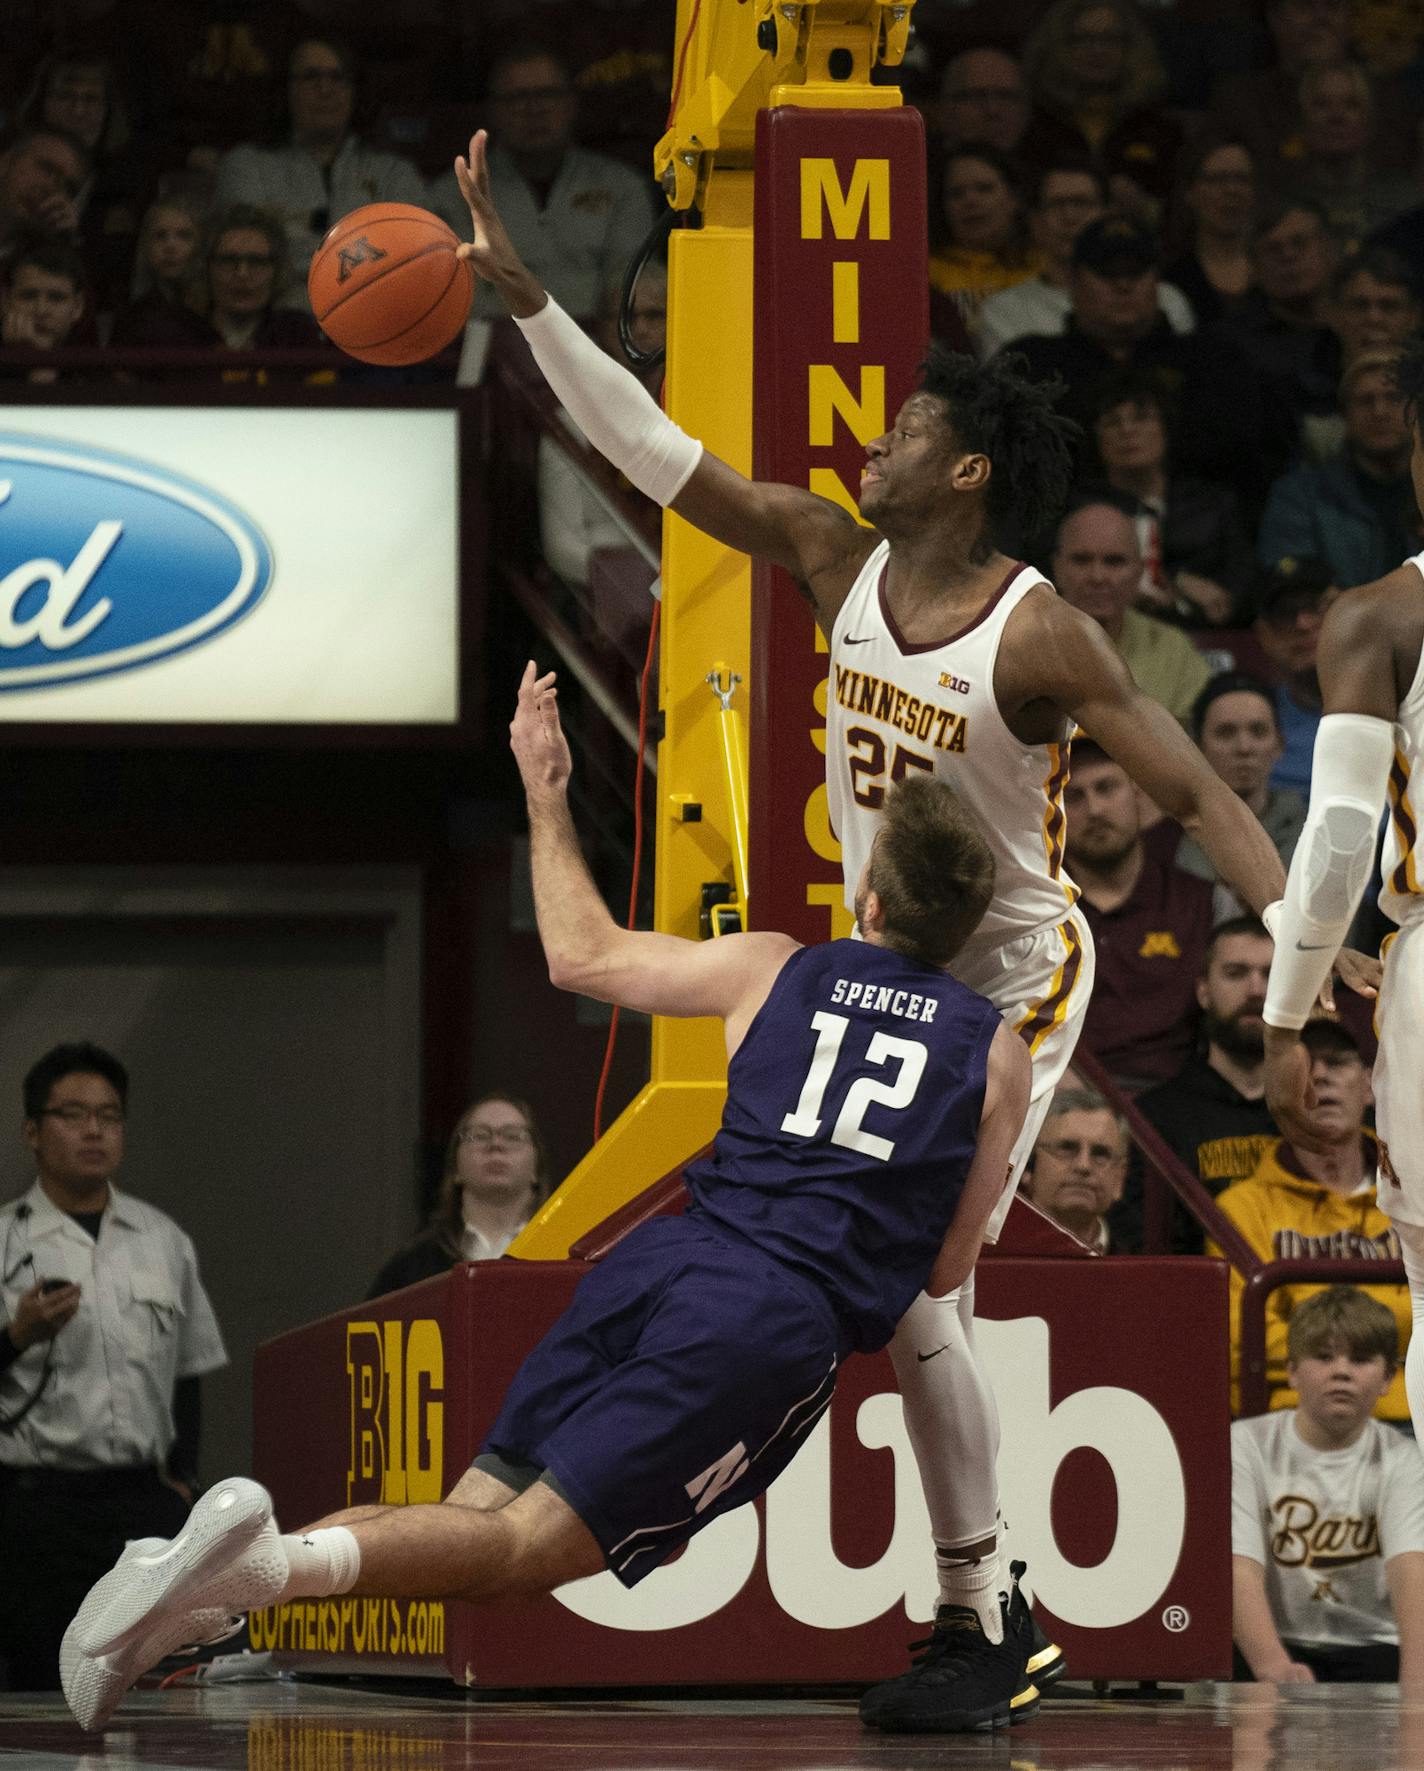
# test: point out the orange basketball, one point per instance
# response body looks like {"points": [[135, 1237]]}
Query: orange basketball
{"points": [[386, 286]]}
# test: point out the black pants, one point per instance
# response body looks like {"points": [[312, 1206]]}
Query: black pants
{"points": [[59, 1531], [1368, 1663]]}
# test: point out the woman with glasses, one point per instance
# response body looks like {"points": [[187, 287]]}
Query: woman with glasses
{"points": [[496, 1176]]}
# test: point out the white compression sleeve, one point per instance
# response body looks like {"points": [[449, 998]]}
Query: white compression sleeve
{"points": [[1349, 778], [611, 406]]}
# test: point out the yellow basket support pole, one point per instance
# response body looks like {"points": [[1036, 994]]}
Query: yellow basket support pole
{"points": [[733, 58]]}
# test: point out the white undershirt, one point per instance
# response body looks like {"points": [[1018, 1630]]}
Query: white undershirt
{"points": [[476, 1246]]}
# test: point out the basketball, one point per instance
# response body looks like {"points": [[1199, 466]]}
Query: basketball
{"points": [[386, 286]]}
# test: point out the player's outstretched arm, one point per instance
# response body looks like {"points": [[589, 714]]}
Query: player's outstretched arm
{"points": [[585, 949], [817, 541], [1005, 1104], [1078, 669]]}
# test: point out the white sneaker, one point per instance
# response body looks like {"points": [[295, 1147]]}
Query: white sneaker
{"points": [[158, 1596]]}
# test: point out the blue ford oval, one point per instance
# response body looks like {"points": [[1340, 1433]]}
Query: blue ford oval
{"points": [[109, 563]]}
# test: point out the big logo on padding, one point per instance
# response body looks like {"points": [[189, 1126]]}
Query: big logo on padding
{"points": [[108, 563]]}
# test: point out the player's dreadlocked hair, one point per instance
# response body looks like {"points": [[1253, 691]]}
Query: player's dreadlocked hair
{"points": [[1409, 377], [932, 869], [996, 410]]}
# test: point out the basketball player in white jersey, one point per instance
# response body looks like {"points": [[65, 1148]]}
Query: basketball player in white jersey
{"points": [[1369, 749], [947, 655]]}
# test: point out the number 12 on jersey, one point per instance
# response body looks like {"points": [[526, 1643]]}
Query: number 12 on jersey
{"points": [[865, 1092]]}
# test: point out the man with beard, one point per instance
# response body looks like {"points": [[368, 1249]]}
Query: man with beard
{"points": [[1213, 1112], [1150, 922]]}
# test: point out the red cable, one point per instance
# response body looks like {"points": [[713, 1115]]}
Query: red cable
{"points": [[682, 61], [644, 685]]}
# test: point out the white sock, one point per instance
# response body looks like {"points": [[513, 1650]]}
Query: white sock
{"points": [[320, 1563], [1008, 1555], [953, 1428], [973, 1583]]}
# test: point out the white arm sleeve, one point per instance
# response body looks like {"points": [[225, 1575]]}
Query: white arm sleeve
{"points": [[1332, 860], [611, 406]]}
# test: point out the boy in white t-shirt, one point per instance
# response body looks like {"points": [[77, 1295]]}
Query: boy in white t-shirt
{"points": [[1327, 1534]]}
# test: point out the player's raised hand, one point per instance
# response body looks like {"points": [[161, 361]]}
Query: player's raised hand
{"points": [[489, 248], [537, 738], [1360, 972]]}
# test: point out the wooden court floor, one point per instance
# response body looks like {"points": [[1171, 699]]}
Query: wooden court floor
{"points": [[292, 1726]]}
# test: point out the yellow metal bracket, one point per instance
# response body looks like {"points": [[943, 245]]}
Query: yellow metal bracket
{"points": [[733, 60], [734, 756]]}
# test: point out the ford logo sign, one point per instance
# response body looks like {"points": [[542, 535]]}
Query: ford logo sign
{"points": [[109, 563]]}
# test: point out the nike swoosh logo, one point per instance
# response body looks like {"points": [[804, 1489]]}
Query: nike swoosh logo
{"points": [[923, 1356], [865, 641], [1319, 947]]}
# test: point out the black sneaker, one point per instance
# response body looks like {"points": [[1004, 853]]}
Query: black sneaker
{"points": [[1047, 1662], [962, 1682]]}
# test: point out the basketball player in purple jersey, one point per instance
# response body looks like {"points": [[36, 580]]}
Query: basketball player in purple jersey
{"points": [[872, 1105], [952, 658]]}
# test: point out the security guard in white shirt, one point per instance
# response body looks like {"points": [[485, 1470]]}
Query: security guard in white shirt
{"points": [[107, 1330]]}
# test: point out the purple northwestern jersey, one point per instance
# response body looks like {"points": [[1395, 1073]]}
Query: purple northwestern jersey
{"points": [[853, 1107]]}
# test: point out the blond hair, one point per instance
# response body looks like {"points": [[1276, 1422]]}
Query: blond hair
{"points": [[931, 869]]}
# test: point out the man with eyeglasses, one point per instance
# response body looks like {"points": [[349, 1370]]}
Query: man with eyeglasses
{"points": [[577, 217], [107, 1330], [324, 171], [1079, 1165]]}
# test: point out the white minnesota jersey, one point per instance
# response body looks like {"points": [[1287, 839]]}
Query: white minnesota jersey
{"points": [[1399, 1010], [1401, 873], [893, 706]]}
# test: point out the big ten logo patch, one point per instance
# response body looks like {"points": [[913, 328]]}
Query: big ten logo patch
{"points": [[396, 1377]]}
